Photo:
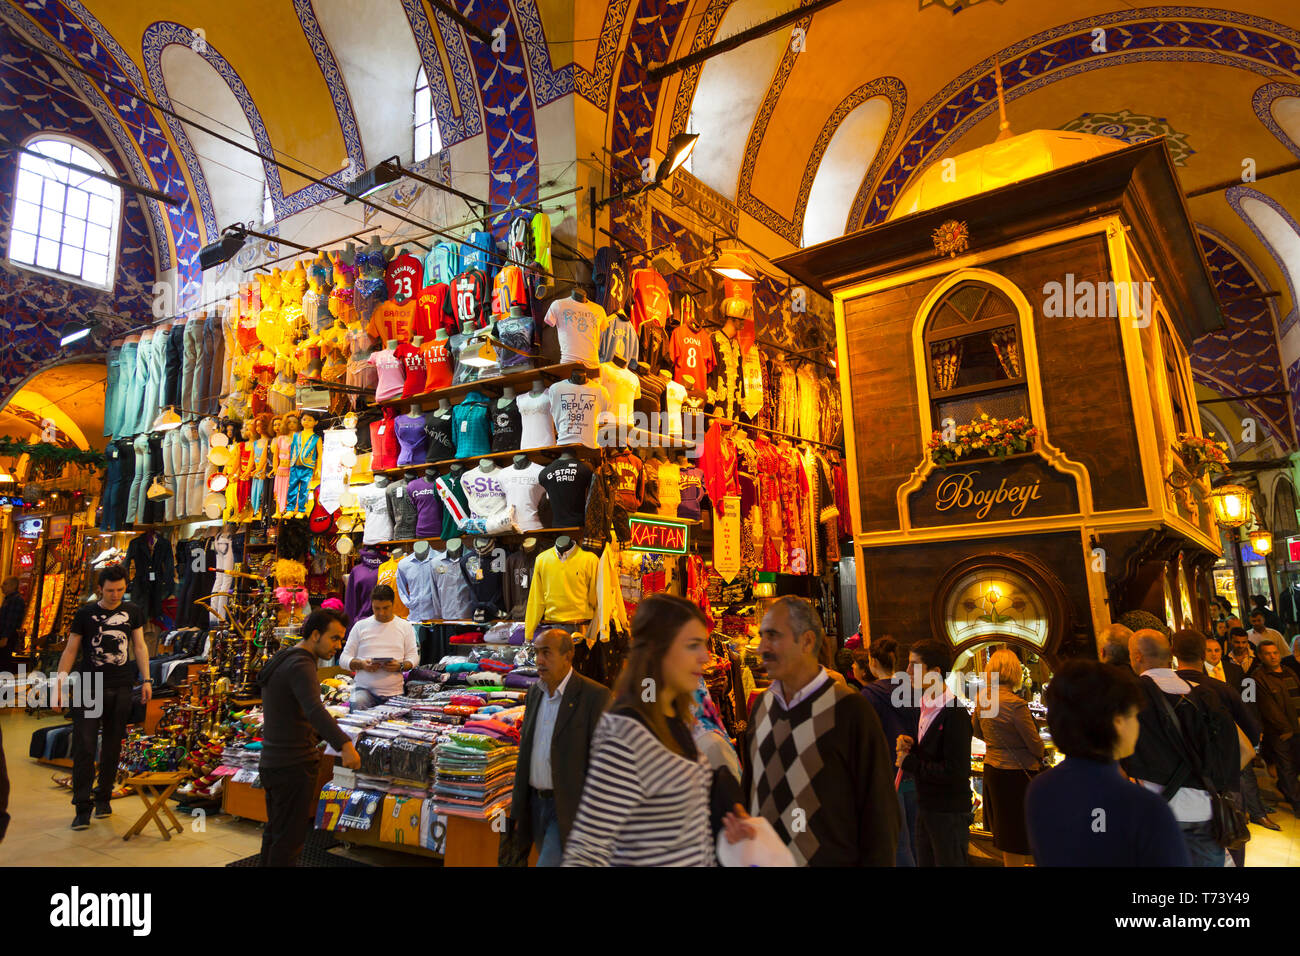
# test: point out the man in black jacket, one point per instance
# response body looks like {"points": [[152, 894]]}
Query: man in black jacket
{"points": [[562, 710], [1221, 667], [940, 759], [292, 710], [11, 622]]}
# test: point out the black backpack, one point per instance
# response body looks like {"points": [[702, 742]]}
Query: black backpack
{"points": [[1208, 729]]}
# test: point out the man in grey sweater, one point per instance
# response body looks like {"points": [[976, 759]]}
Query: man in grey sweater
{"points": [[292, 718]]}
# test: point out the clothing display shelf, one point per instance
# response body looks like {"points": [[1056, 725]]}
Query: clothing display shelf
{"points": [[542, 456], [494, 384], [439, 544]]}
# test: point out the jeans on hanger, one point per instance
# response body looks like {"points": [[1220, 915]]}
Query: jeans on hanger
{"points": [[132, 375], [191, 366], [161, 342], [112, 488], [144, 381], [135, 494], [175, 365], [211, 357], [172, 455], [154, 509], [185, 467], [111, 384], [205, 469], [126, 463]]}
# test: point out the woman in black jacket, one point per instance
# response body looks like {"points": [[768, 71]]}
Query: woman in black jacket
{"points": [[939, 756]]}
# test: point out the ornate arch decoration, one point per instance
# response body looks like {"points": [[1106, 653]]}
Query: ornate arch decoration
{"points": [[459, 120], [1184, 34], [164, 33], [150, 155], [1235, 195], [1262, 102], [1241, 358]]}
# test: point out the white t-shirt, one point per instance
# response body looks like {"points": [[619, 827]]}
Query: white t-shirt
{"points": [[370, 640], [379, 521], [575, 409], [1268, 632], [623, 388], [535, 416], [523, 493], [673, 398], [578, 324], [483, 491]]}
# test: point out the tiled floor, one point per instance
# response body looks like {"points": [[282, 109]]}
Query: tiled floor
{"points": [[39, 834]]}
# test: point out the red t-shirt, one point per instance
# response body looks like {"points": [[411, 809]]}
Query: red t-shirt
{"points": [[412, 359], [651, 301], [433, 311], [692, 355], [437, 361]]}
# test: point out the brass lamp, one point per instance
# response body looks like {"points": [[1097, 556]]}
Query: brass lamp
{"points": [[1261, 541], [1231, 505]]}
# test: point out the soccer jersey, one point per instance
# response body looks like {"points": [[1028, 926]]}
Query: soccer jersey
{"points": [[437, 364], [413, 361], [442, 264], [470, 294], [434, 311], [474, 253], [521, 237], [578, 325], [404, 275], [618, 340], [692, 356], [575, 409], [541, 248], [508, 290], [392, 321], [651, 301], [653, 341]]}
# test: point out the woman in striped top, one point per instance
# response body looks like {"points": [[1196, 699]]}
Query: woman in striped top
{"points": [[650, 798]]}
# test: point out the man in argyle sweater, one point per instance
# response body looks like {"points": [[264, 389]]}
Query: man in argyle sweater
{"points": [[818, 767]]}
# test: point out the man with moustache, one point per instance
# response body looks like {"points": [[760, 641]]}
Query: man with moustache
{"points": [[818, 763]]}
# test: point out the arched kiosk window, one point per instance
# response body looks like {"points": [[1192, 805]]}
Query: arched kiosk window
{"points": [[976, 356]]}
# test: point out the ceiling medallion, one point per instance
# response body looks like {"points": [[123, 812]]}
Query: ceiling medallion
{"points": [[1133, 128], [951, 238], [953, 6]]}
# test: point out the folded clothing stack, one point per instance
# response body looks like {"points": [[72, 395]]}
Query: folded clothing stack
{"points": [[473, 774]]}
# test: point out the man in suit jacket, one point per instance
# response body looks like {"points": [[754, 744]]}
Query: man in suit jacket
{"points": [[563, 708], [1224, 668]]}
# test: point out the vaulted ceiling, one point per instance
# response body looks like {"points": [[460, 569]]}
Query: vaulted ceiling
{"points": [[809, 131]]}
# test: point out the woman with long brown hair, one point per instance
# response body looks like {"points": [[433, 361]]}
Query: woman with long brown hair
{"points": [[650, 798]]}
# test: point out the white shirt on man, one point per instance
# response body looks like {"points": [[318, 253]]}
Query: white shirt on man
{"points": [[548, 711], [371, 640], [1272, 635], [1188, 804]]}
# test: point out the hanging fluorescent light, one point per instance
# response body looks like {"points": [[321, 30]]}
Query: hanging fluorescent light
{"points": [[680, 148], [484, 356], [731, 266], [233, 239], [375, 178], [76, 331]]}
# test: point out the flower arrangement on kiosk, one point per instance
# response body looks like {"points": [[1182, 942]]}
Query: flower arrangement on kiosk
{"points": [[1202, 456], [984, 438]]}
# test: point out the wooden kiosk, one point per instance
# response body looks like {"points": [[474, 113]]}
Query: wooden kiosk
{"points": [[1072, 301]]}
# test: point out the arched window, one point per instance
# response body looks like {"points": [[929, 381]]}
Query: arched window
{"points": [[428, 140], [268, 207], [65, 222], [976, 356]]}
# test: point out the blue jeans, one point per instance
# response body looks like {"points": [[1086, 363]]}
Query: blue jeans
{"points": [[1199, 838], [364, 699], [546, 831], [906, 855]]}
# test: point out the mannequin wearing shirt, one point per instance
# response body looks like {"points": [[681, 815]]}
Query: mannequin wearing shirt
{"points": [[437, 361], [524, 492], [563, 590], [387, 574], [392, 373], [415, 586], [538, 427], [439, 426], [411, 437], [507, 425], [379, 518]]}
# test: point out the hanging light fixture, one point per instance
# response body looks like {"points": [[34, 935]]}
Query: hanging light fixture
{"points": [[167, 420], [1261, 540], [1231, 504]]}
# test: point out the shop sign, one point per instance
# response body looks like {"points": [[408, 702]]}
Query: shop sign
{"points": [[1249, 555], [662, 537], [990, 490], [31, 527], [726, 539], [1293, 550]]}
